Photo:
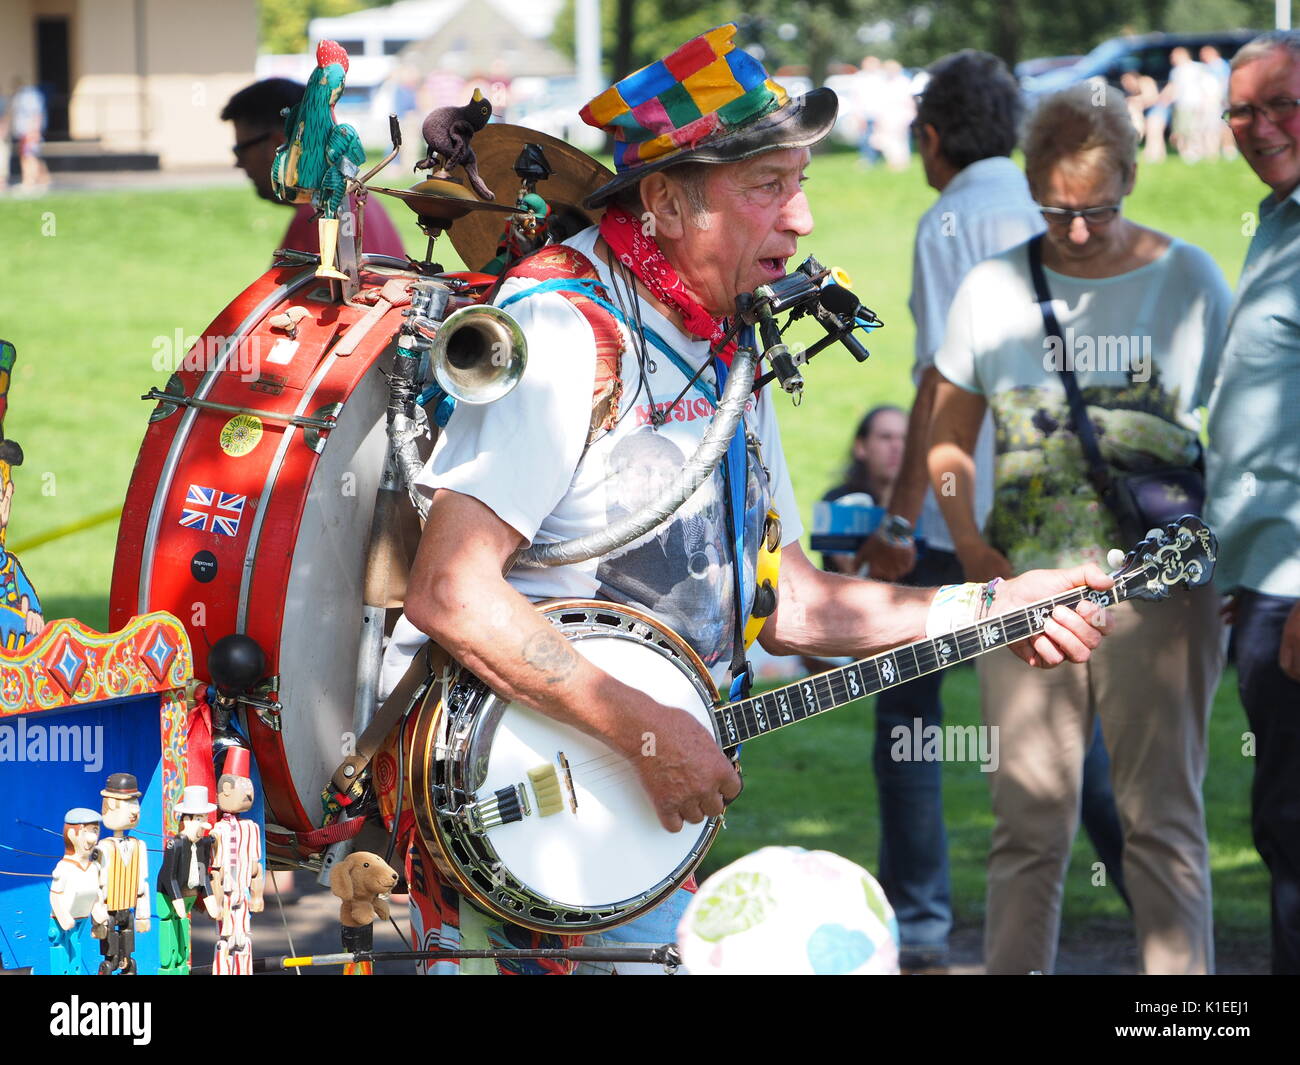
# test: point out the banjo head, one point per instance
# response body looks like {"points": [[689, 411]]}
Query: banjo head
{"points": [[540, 823]]}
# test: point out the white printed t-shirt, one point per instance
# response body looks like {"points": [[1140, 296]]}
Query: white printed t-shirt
{"points": [[1144, 346], [984, 210], [523, 457]]}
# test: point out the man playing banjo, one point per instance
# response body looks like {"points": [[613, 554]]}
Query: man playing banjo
{"points": [[707, 205]]}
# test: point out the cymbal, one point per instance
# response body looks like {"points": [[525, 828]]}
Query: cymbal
{"points": [[496, 147], [445, 200]]}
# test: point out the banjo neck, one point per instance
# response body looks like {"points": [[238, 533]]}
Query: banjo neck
{"points": [[747, 718], [549, 828]]}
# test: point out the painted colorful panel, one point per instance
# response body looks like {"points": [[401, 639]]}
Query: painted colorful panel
{"points": [[69, 664]]}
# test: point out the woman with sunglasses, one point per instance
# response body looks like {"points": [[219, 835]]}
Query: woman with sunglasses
{"points": [[1141, 318]]}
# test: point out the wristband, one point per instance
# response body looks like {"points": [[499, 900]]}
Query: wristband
{"points": [[954, 606]]}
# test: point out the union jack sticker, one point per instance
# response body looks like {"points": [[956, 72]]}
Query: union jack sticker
{"points": [[209, 510]]}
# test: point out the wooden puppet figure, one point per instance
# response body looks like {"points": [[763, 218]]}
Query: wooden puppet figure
{"points": [[319, 154], [184, 878], [123, 905], [73, 892], [237, 878]]}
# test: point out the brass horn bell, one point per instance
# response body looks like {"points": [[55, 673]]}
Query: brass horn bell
{"points": [[478, 354]]}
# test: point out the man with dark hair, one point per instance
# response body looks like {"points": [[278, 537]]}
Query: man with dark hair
{"points": [[255, 113], [966, 127]]}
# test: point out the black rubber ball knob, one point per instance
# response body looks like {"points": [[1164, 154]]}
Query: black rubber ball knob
{"points": [[236, 663]]}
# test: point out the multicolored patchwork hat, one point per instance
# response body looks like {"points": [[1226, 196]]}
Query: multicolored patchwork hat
{"points": [[708, 102]]}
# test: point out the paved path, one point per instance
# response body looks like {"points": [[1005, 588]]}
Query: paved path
{"points": [[310, 919], [117, 180]]}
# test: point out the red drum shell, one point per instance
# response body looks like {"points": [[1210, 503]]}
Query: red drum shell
{"points": [[286, 526]]}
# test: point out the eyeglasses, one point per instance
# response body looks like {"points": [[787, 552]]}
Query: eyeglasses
{"points": [[252, 142], [1092, 216], [1239, 116]]}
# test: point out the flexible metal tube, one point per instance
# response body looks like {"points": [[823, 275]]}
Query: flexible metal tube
{"points": [[731, 407]]}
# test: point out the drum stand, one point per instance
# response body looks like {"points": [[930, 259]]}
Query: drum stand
{"points": [[665, 955]]}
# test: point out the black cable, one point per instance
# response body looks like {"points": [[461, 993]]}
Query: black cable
{"points": [[688, 386], [643, 360], [401, 785]]}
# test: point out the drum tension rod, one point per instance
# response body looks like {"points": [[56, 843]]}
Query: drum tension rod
{"points": [[182, 400]]}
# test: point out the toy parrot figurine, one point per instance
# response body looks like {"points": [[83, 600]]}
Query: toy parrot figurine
{"points": [[447, 131], [319, 154]]}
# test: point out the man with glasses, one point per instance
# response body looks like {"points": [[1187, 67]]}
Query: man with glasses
{"points": [[1254, 467], [965, 130], [254, 112]]}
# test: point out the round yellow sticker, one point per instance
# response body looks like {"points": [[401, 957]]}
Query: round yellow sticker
{"points": [[241, 434]]}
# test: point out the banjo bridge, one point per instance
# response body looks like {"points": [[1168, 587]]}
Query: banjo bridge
{"points": [[548, 788]]}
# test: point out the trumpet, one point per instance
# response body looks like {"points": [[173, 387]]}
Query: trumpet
{"points": [[478, 354]]}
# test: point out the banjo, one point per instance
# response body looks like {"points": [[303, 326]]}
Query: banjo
{"points": [[545, 826]]}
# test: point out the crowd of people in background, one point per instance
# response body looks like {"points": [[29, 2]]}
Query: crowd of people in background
{"points": [[1193, 100], [880, 103], [1006, 429], [879, 106]]}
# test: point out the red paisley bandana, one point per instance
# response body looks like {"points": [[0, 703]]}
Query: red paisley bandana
{"points": [[639, 253]]}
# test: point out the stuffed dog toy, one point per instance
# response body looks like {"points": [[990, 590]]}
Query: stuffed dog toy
{"points": [[362, 880]]}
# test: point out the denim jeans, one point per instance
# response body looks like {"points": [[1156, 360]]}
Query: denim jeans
{"points": [[652, 929], [1272, 703], [913, 867]]}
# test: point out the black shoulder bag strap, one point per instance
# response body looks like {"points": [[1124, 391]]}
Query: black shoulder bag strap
{"points": [[1098, 471]]}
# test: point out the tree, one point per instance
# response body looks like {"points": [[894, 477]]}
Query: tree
{"points": [[282, 24], [816, 34], [825, 31]]}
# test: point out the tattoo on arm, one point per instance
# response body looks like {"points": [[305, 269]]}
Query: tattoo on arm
{"points": [[550, 654]]}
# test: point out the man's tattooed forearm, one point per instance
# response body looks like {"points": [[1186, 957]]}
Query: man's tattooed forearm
{"points": [[550, 654]]}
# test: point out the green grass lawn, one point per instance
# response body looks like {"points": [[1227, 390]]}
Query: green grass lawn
{"points": [[812, 786], [95, 281]]}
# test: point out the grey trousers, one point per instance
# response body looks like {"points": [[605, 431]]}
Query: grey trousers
{"points": [[1152, 683]]}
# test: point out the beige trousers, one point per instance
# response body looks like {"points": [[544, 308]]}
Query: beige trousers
{"points": [[1152, 682]]}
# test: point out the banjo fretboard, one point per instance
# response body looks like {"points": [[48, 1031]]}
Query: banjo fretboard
{"points": [[747, 718]]}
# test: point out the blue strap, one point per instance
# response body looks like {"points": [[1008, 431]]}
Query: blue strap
{"points": [[736, 468], [592, 288], [735, 465]]}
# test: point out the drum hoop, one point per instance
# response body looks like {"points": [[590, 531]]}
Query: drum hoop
{"points": [[177, 447]]}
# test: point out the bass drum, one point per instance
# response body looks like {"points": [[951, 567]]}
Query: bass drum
{"points": [[255, 518]]}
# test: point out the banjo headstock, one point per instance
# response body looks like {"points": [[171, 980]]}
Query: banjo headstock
{"points": [[1182, 553]]}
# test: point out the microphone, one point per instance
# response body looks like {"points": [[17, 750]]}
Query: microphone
{"points": [[811, 289], [840, 301]]}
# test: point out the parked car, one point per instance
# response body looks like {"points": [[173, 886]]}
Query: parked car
{"points": [[1031, 68], [1145, 54]]}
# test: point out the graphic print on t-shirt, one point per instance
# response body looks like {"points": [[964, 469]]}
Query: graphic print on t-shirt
{"points": [[679, 572], [1046, 512]]}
